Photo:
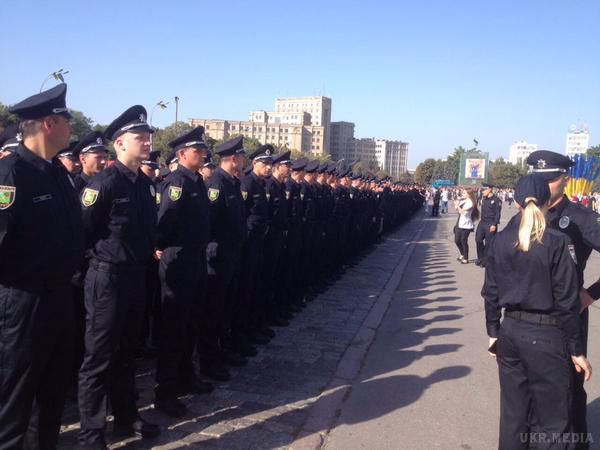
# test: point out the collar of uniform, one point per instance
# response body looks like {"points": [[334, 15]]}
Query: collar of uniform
{"points": [[84, 177], [33, 159], [226, 175], [257, 178], [187, 172], [132, 176], [559, 208]]}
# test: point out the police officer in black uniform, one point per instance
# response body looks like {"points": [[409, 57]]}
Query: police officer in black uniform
{"points": [[183, 234], [92, 154], [69, 160], [540, 338], [228, 233], [39, 214], [8, 140], [582, 225], [491, 208], [119, 215], [294, 262]]}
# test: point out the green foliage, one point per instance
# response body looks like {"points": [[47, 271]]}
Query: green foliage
{"points": [[81, 125], [407, 178], [424, 171], [503, 174], [440, 169], [6, 118]]}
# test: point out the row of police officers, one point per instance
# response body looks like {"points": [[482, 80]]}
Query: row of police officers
{"points": [[225, 254]]}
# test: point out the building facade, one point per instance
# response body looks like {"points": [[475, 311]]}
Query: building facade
{"points": [[578, 140], [318, 107], [342, 144], [519, 151]]}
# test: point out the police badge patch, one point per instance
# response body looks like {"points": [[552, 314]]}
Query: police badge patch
{"points": [[564, 222], [7, 196], [89, 197], [213, 194], [244, 195], [175, 193]]}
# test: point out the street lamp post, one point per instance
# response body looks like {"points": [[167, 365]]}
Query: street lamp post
{"points": [[176, 109], [162, 105], [58, 76]]}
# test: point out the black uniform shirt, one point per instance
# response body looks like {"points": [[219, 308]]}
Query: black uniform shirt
{"points": [[583, 227], [293, 194], [41, 234], [119, 216], [256, 204], [542, 280], [183, 217], [278, 204], [309, 203], [491, 209], [227, 214], [81, 180]]}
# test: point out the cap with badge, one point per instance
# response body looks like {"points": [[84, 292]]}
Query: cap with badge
{"points": [[532, 186], [47, 103], [231, 147], [131, 121], [208, 162], [549, 164], [312, 166], [487, 185], [193, 138], [9, 138], [299, 164], [322, 168], [69, 152], [284, 158], [152, 160], [171, 158], [93, 142], [263, 154]]}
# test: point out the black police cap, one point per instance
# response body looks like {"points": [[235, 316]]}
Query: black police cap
{"points": [[171, 158], [549, 164], [93, 142], [299, 164], [132, 120], [284, 158], [69, 151], [193, 138], [331, 168], [231, 147], [264, 154], [532, 186], [312, 166], [487, 185], [322, 168], [152, 160], [344, 173], [47, 103], [9, 138]]}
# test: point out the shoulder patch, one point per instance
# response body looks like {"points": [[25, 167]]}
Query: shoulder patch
{"points": [[89, 197], [244, 195], [213, 194], [564, 222], [7, 196], [175, 193], [158, 196]]}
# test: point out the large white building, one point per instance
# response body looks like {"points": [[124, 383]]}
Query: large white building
{"points": [[578, 140], [519, 151]]}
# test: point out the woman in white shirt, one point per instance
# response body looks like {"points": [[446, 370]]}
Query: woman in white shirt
{"points": [[468, 214]]}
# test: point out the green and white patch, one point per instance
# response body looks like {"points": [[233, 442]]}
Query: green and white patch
{"points": [[7, 196], [175, 193], [89, 197], [213, 194]]}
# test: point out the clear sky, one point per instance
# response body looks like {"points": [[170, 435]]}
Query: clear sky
{"points": [[434, 73]]}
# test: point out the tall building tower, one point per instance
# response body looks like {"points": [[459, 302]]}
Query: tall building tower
{"points": [[318, 107], [578, 140], [519, 151]]}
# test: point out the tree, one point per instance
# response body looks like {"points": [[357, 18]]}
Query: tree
{"points": [[594, 151], [504, 174], [81, 125], [6, 118], [407, 178], [424, 171]]}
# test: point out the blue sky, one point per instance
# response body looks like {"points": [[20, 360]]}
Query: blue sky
{"points": [[434, 73]]}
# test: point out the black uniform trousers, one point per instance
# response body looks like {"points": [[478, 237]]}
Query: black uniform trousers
{"points": [[535, 373], [115, 300], [271, 284], [181, 273], [579, 394], [293, 262], [36, 340], [483, 238]]}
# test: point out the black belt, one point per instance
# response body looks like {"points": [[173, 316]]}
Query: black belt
{"points": [[537, 318]]}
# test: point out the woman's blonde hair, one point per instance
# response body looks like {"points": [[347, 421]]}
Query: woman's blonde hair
{"points": [[532, 226]]}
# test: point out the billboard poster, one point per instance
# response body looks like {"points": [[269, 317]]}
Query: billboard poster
{"points": [[473, 168]]}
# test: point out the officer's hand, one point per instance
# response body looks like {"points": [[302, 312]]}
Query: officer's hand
{"points": [[211, 250], [492, 347], [582, 364], [157, 254], [493, 228], [585, 298]]}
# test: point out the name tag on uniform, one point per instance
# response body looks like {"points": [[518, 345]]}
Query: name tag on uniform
{"points": [[194, 194], [256, 196], [42, 198], [121, 200]]}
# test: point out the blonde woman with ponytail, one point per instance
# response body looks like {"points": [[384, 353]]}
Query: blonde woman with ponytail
{"points": [[531, 278]]}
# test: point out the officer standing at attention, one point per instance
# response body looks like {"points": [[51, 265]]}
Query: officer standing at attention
{"points": [[491, 208], [68, 158], [228, 233], [208, 168], [92, 154], [582, 225], [183, 234], [39, 214], [539, 340], [119, 216], [8, 140]]}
